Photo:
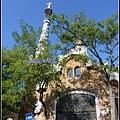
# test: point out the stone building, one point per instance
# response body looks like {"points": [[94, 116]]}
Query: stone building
{"points": [[84, 93]]}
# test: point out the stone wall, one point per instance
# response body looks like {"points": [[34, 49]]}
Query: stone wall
{"points": [[91, 80]]}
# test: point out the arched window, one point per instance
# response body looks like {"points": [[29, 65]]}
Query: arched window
{"points": [[70, 73], [77, 72]]}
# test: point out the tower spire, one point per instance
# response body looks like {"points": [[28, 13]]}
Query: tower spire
{"points": [[45, 29], [44, 37]]}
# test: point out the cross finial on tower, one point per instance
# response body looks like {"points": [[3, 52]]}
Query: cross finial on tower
{"points": [[49, 5]]}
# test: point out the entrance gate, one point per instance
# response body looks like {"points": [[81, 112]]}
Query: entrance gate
{"points": [[77, 106]]}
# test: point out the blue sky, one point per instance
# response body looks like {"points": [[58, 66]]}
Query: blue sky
{"points": [[32, 12]]}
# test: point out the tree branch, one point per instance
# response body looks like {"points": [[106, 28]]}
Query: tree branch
{"points": [[100, 60], [115, 59], [115, 45], [41, 100]]}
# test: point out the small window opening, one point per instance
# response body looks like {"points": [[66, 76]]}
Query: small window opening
{"points": [[70, 73], [77, 72]]}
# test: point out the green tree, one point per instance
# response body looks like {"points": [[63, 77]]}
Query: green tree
{"points": [[11, 89], [100, 38], [19, 75]]}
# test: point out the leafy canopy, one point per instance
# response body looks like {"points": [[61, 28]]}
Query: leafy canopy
{"points": [[19, 77], [100, 38]]}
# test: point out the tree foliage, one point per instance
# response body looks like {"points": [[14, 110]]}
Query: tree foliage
{"points": [[19, 76], [96, 36]]}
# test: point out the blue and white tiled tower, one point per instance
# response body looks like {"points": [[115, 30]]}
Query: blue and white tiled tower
{"points": [[45, 30]]}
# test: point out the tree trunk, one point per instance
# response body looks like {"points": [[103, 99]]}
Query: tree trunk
{"points": [[112, 103]]}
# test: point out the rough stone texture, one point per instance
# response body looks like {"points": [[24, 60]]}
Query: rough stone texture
{"points": [[91, 80]]}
